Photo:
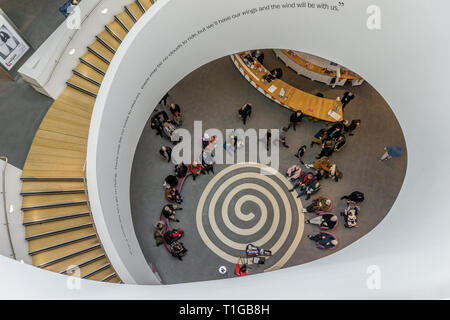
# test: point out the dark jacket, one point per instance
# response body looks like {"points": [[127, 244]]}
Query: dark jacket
{"points": [[176, 108], [168, 152], [295, 118], [347, 98]]}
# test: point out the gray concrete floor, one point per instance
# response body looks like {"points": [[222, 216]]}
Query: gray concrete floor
{"points": [[212, 94], [21, 107]]}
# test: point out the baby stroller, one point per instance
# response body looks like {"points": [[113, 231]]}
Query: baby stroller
{"points": [[339, 142], [177, 249], [350, 215]]}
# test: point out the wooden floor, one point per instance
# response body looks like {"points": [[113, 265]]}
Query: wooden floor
{"points": [[59, 226]]}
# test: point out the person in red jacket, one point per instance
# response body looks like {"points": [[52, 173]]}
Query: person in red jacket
{"points": [[196, 168]]}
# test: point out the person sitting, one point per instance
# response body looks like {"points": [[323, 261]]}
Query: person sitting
{"points": [[168, 129], [277, 73], [326, 221], [324, 240], [334, 173], [258, 55], [68, 7], [320, 204], [177, 119], [169, 212], [303, 181], [294, 172], [336, 129], [174, 196], [240, 270], [319, 137], [322, 166], [160, 230], [310, 189], [181, 170], [205, 140], [196, 169], [173, 235], [327, 150], [171, 181]]}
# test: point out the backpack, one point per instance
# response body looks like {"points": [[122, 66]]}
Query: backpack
{"points": [[356, 196]]}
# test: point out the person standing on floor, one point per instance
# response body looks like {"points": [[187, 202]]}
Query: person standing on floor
{"points": [[68, 7], [166, 152], [300, 153], [346, 98], [268, 139], [283, 137], [163, 101], [296, 117], [352, 127], [245, 111], [174, 108]]}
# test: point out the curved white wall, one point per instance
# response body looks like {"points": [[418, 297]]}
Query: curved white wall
{"points": [[405, 61]]}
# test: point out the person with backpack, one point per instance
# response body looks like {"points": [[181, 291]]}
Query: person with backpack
{"points": [[245, 111]]}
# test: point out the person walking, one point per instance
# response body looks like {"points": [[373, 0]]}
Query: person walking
{"points": [[163, 100], [268, 139], [68, 7], [245, 111], [346, 98], [300, 153], [296, 117], [282, 138], [166, 152]]}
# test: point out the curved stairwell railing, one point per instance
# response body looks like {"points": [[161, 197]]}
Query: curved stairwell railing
{"points": [[90, 212], [5, 211]]}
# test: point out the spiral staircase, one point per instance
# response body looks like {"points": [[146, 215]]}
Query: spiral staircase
{"points": [[59, 226]]}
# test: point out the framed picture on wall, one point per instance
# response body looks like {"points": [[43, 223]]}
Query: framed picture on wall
{"points": [[12, 46]]}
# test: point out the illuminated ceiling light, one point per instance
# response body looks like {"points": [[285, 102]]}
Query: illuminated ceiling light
{"points": [[11, 208], [104, 11], [71, 52]]}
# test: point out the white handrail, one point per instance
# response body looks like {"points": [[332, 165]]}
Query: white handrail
{"points": [[4, 205]]}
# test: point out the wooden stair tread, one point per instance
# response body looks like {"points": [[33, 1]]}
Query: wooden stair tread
{"points": [[146, 4], [135, 10], [98, 47], [126, 19], [52, 240], [109, 39], [57, 253], [43, 228], [39, 214], [28, 201], [84, 84], [95, 61], [76, 260], [88, 72], [117, 29], [102, 274], [29, 186]]}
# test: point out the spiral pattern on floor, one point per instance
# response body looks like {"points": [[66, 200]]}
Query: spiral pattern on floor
{"points": [[250, 203]]}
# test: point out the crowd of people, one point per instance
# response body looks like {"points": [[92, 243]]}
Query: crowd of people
{"points": [[165, 127], [306, 178]]}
